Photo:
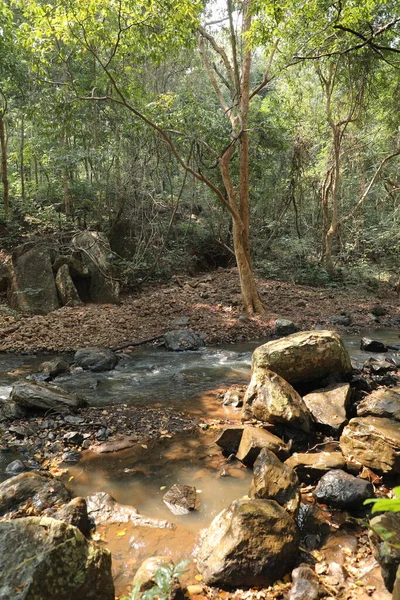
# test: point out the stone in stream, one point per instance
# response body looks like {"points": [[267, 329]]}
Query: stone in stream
{"points": [[15, 467], [328, 406], [339, 489], [32, 395], [369, 345], [311, 466], [182, 339], [102, 508], [250, 543], [11, 410], [271, 399], [181, 499], [273, 480], [304, 356], [374, 442], [74, 513], [95, 359], [254, 439], [44, 558], [229, 440], [383, 402], [234, 396], [54, 367], [305, 584], [41, 489], [386, 547]]}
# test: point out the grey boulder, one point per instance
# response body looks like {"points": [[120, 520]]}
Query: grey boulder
{"points": [[95, 359]]}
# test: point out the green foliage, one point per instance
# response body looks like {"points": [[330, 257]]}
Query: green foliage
{"points": [[385, 504], [165, 578]]}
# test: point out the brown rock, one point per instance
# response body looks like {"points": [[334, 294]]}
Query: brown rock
{"points": [[312, 466], [254, 439], [181, 499], [383, 402], [274, 480], [229, 440], [328, 406]]}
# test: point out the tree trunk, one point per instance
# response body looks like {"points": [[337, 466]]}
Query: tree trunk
{"points": [[4, 174], [21, 158]]}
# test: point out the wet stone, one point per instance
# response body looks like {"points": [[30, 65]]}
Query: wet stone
{"points": [[369, 345], [103, 508], [182, 339], [95, 359], [273, 480], [15, 467], [229, 440], [54, 367], [337, 488], [181, 499], [44, 397]]}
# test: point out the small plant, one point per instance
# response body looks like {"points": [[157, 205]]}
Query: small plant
{"points": [[385, 504], [164, 579]]}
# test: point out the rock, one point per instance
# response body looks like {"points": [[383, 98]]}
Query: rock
{"points": [[383, 402], [274, 480], [344, 320], [369, 345], [386, 549], [271, 399], [75, 438], [305, 584], [44, 558], [32, 288], [71, 457], [373, 442], [74, 513], [229, 440], [30, 394], [379, 311], [250, 543], [328, 406], [181, 499], [311, 466], [12, 410], [95, 359], [41, 489], [304, 356], [75, 266], [182, 339], [103, 508], [95, 254], [396, 588], [15, 467], [146, 576], [285, 327], [254, 439], [373, 366], [234, 396], [180, 322], [54, 367], [5, 276], [66, 289], [340, 489]]}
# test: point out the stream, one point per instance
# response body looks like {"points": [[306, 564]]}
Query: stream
{"points": [[187, 382]]}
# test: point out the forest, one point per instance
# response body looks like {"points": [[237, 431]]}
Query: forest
{"points": [[198, 134]]}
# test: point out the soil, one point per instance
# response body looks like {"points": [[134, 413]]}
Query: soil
{"points": [[211, 304]]}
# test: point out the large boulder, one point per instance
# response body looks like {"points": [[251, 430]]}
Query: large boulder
{"points": [[45, 558], [32, 288], [182, 339], [95, 359], [271, 399], [373, 442], [273, 480], [328, 406], [252, 542], [304, 356], [41, 489], [30, 394], [95, 254]]}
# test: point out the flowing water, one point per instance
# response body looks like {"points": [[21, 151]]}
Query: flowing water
{"points": [[187, 382]]}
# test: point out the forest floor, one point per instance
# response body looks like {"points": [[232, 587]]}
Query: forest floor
{"points": [[209, 304]]}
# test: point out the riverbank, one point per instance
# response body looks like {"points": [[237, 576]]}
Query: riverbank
{"points": [[209, 304]]}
